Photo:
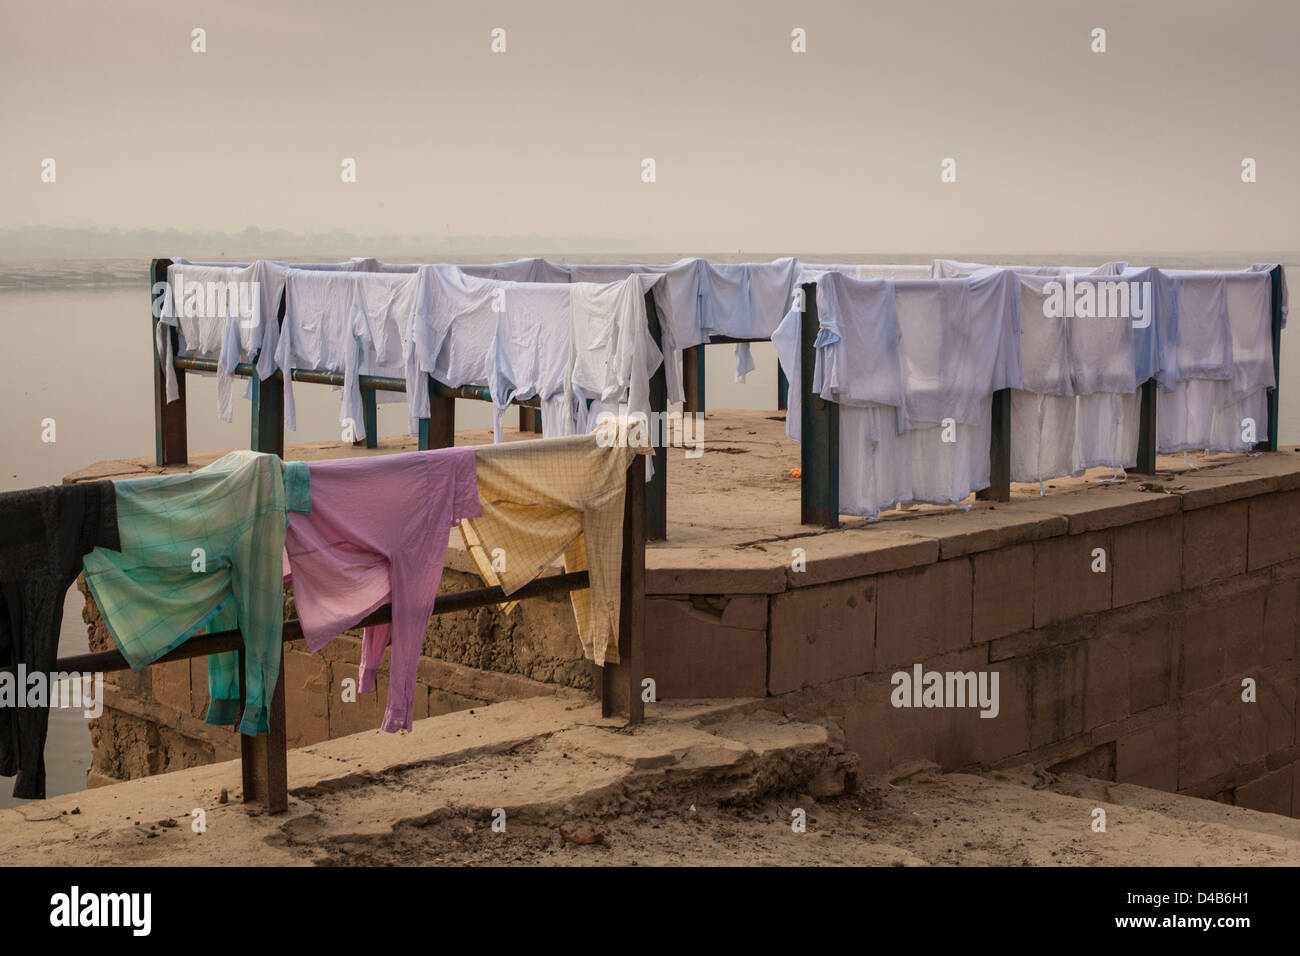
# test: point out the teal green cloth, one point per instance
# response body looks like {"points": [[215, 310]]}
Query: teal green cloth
{"points": [[223, 673], [204, 550]]}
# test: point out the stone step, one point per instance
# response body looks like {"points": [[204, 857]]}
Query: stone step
{"points": [[549, 759]]}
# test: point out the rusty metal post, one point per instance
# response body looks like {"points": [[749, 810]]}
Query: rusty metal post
{"points": [[264, 759], [530, 419], [620, 684], [439, 429], [370, 418]]}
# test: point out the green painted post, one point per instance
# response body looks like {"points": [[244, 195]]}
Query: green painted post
{"points": [[369, 418], [268, 409], [1278, 318], [171, 445], [782, 389], [819, 449]]}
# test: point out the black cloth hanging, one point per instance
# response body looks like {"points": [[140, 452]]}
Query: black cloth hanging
{"points": [[44, 534]]}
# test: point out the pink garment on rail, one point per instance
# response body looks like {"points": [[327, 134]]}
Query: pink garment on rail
{"points": [[377, 533]]}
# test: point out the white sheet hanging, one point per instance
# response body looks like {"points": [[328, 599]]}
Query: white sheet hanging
{"points": [[1204, 345], [531, 353], [912, 365], [1044, 436], [1107, 430], [1250, 322], [960, 343], [1079, 364]]}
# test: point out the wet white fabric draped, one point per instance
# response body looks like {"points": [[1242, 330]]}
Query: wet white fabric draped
{"points": [[919, 348]]}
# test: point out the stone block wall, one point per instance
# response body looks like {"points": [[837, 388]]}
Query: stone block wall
{"points": [[1134, 670]]}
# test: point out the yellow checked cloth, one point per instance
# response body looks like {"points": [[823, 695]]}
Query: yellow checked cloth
{"points": [[549, 497]]}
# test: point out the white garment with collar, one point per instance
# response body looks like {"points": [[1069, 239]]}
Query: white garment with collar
{"points": [[354, 323], [452, 330], [962, 340], [253, 339], [746, 301], [1100, 425], [227, 335], [677, 302], [614, 356], [1206, 410], [960, 343], [467, 330], [859, 345]]}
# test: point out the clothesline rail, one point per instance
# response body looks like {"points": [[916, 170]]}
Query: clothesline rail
{"points": [[819, 483], [693, 376], [171, 444], [819, 452], [264, 758]]}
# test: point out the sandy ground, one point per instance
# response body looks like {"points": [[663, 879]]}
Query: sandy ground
{"points": [[1001, 819]]}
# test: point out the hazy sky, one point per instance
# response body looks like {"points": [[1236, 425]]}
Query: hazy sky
{"points": [[1057, 148]]}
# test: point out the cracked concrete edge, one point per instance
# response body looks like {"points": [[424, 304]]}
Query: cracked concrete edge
{"points": [[372, 759], [763, 565]]}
